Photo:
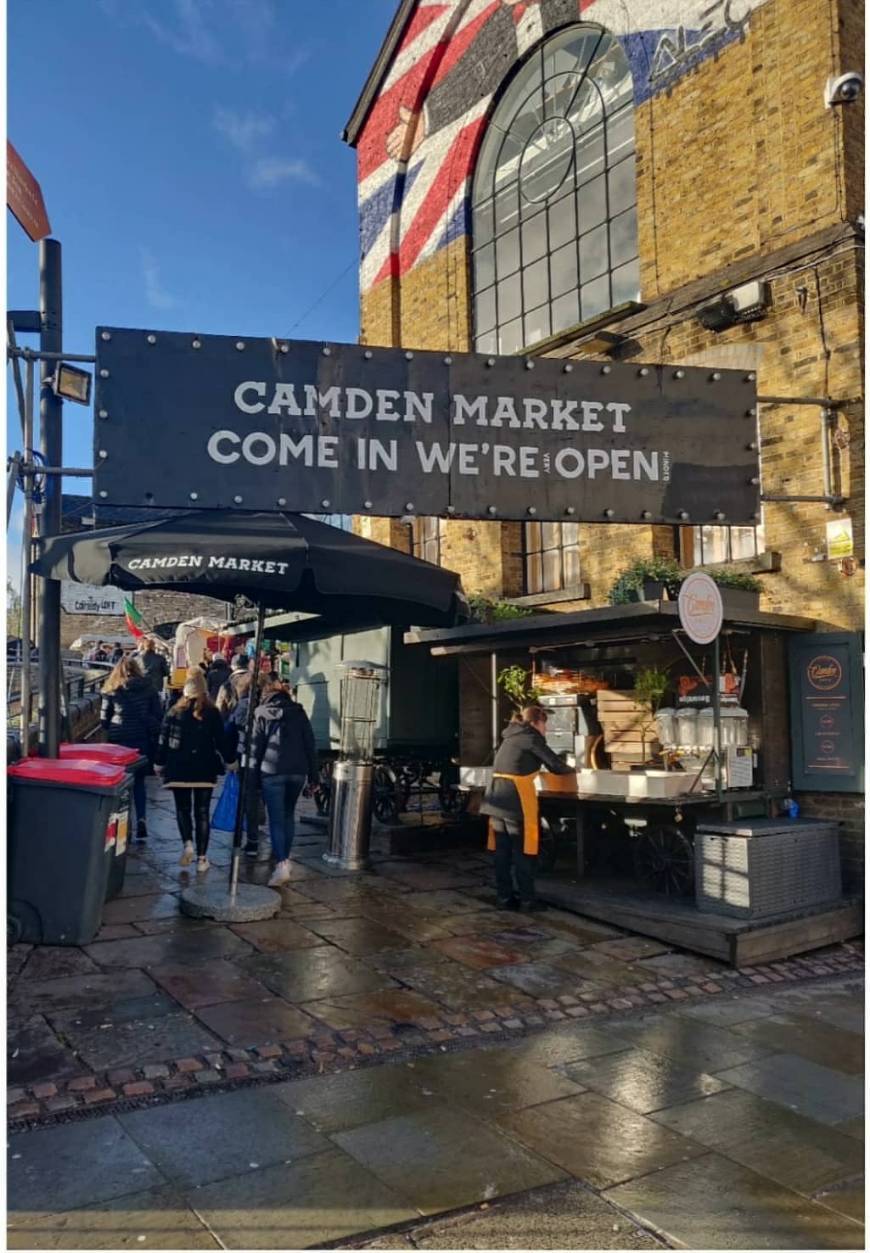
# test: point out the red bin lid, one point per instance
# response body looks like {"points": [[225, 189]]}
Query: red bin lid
{"points": [[109, 754], [68, 773]]}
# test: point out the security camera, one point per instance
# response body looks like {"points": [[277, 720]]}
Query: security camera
{"points": [[843, 88]]}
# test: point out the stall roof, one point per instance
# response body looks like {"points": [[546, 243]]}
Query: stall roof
{"points": [[613, 624]]}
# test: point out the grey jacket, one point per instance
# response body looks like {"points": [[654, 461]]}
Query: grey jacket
{"points": [[523, 750]]}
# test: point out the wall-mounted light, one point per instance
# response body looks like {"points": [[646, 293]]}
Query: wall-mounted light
{"points": [[748, 303], [71, 384]]}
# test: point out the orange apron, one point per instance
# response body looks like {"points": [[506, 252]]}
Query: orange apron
{"points": [[525, 785]]}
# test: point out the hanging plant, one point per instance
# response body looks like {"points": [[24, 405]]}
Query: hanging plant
{"points": [[517, 685]]}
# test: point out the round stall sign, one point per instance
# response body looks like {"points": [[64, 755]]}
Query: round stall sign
{"points": [[700, 607]]}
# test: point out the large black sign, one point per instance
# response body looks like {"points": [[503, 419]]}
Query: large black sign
{"points": [[826, 713], [214, 422]]}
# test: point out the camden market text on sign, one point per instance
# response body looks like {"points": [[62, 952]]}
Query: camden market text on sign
{"points": [[292, 425]]}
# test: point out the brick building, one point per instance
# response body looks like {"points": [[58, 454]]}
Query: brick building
{"points": [[589, 178]]}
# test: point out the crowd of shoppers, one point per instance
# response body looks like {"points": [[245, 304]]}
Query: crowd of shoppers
{"points": [[203, 734]]}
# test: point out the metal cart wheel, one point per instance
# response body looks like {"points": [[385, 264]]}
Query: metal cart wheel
{"points": [[452, 801], [322, 794], [386, 796], [665, 859]]}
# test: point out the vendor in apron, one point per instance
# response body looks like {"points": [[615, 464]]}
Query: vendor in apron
{"points": [[511, 803]]}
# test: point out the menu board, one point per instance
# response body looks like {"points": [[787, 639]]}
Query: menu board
{"points": [[827, 713]]}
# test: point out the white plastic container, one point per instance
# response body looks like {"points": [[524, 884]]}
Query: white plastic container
{"points": [[475, 776], [603, 782], [660, 783]]}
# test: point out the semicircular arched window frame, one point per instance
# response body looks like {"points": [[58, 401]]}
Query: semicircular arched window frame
{"points": [[554, 209]]}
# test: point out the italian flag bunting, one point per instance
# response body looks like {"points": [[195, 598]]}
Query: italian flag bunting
{"points": [[133, 619]]}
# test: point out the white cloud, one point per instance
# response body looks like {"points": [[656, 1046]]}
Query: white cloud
{"points": [[191, 34], [155, 293], [270, 171], [242, 130]]}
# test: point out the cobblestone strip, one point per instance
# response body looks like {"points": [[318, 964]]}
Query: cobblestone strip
{"points": [[329, 1051]]}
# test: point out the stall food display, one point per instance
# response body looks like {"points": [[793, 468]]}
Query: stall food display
{"points": [[659, 754]]}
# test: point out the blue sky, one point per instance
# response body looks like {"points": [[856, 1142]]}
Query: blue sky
{"points": [[190, 160]]}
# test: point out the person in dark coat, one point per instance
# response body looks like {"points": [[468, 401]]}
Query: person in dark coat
{"points": [[236, 726], [130, 715], [284, 758], [217, 675], [190, 756], [522, 752], [154, 665], [117, 654]]}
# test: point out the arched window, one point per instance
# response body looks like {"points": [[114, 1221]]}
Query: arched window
{"points": [[554, 225]]}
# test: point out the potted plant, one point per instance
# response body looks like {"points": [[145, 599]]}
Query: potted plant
{"points": [[739, 591], [650, 685], [517, 685], [646, 579]]}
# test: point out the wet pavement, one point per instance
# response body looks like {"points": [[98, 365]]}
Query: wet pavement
{"points": [[467, 1078]]}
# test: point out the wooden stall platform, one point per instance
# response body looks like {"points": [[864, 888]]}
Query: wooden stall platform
{"points": [[740, 942]]}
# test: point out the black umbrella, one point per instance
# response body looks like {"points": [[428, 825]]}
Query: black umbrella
{"points": [[278, 561]]}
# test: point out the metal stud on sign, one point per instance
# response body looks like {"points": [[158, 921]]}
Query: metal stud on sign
{"points": [[105, 336], [282, 501], [103, 454], [368, 354], [237, 500], [605, 369], [194, 495], [152, 339], [324, 504], [608, 513], [104, 374], [240, 345], [197, 343], [103, 413], [567, 369]]}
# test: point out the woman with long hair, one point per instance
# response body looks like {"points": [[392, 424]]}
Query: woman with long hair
{"points": [[130, 715], [245, 691], [190, 755]]}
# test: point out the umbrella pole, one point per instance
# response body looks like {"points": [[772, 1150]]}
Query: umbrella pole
{"points": [[246, 773]]}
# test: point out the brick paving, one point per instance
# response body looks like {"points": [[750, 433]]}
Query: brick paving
{"points": [[367, 992]]}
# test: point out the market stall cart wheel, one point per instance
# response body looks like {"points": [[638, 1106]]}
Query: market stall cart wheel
{"points": [[664, 859], [322, 794], [386, 794], [452, 801]]}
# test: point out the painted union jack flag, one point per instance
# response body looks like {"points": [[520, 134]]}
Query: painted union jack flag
{"points": [[417, 149]]}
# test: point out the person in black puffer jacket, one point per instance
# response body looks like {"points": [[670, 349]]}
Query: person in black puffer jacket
{"points": [[284, 758], [217, 675], [522, 752], [190, 756], [130, 715]]}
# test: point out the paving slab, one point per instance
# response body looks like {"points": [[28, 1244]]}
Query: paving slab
{"points": [[481, 952], [570, 1044], [124, 1009], [160, 1219], [352, 1098], [357, 935], [135, 1042], [445, 903], [680, 965], [691, 1042], [140, 908], [598, 968], [596, 1140], [264, 1020], [294, 1207], [190, 946], [643, 1081], [848, 1200], [50, 962], [854, 1127], [276, 935], [49, 996], [16, 959], [34, 1053], [725, 1012], [413, 926], [537, 979], [313, 974], [395, 960], [795, 1151], [457, 988], [440, 1159], [818, 1041], [561, 1216], [218, 1136], [489, 1082], [629, 948], [60, 1168], [583, 930], [713, 1203], [392, 1005], [816, 1091], [209, 983]]}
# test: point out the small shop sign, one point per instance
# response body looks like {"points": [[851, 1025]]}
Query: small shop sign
{"points": [[839, 539], [826, 712], [270, 425], [84, 599], [700, 608]]}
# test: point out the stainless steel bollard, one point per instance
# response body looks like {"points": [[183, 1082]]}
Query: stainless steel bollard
{"points": [[350, 822]]}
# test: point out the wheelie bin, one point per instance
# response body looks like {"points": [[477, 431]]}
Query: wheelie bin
{"points": [[62, 832], [132, 760]]}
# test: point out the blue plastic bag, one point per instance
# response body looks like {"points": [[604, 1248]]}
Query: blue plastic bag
{"points": [[224, 816]]}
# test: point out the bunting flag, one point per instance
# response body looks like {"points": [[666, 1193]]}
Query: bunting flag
{"points": [[133, 619]]}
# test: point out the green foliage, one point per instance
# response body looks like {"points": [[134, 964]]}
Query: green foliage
{"points": [[515, 682], [650, 685], [733, 578], [485, 610], [627, 587]]}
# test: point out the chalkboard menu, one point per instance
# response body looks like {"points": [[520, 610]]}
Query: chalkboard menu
{"points": [[827, 716]]}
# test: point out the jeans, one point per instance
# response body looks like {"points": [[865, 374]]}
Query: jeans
{"points": [[200, 823], [139, 800], [281, 792], [248, 779], [509, 856]]}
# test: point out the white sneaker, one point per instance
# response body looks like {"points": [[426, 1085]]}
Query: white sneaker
{"points": [[187, 854], [281, 874], [202, 864]]}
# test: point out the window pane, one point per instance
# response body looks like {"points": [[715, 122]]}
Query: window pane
{"points": [[534, 232], [594, 297], [528, 118], [591, 204], [534, 575], [507, 253], [621, 181], [508, 160], [510, 337], [482, 223], [552, 570], [593, 253], [537, 324], [612, 73], [484, 266], [506, 210], [590, 155], [563, 270], [626, 283], [486, 343], [533, 537], [535, 286], [623, 237], [509, 305], [570, 533], [620, 133], [566, 311], [571, 562], [558, 92], [484, 309], [551, 534], [563, 224], [742, 542]]}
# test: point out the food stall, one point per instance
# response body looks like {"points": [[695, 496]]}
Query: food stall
{"points": [[675, 819]]}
